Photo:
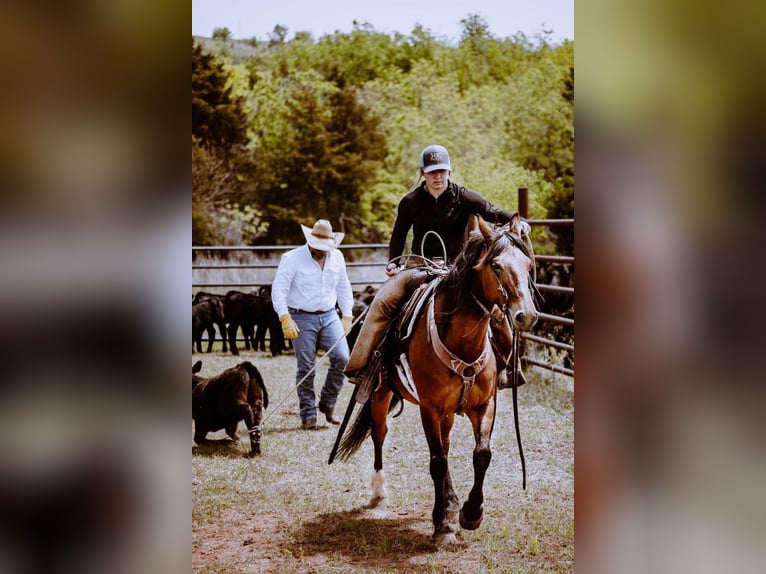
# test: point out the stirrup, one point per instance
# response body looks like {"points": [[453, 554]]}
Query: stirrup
{"points": [[505, 378]]}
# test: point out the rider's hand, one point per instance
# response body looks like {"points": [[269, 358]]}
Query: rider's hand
{"points": [[289, 328], [392, 269], [347, 322]]}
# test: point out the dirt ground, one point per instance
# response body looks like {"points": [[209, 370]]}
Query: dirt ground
{"points": [[319, 544], [288, 511]]}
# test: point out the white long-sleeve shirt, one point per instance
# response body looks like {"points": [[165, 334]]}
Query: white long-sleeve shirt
{"points": [[300, 283]]}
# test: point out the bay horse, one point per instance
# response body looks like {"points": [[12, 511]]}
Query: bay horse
{"points": [[451, 368]]}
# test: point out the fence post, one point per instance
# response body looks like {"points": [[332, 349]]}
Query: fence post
{"points": [[524, 202]]}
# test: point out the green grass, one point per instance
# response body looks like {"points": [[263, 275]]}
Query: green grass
{"points": [[305, 515]]}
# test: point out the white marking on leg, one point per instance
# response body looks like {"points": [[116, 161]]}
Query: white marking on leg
{"points": [[379, 490]]}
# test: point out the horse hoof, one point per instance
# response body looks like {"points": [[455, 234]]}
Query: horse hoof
{"points": [[470, 524], [378, 503], [445, 538]]}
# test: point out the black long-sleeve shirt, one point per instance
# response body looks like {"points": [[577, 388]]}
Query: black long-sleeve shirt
{"points": [[447, 215]]}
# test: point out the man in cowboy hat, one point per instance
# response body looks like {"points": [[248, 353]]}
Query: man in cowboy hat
{"points": [[310, 280]]}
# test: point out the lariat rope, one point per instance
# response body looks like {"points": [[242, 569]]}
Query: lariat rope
{"points": [[316, 364]]}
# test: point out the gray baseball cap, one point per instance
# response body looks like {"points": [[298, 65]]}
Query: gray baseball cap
{"points": [[434, 157]]}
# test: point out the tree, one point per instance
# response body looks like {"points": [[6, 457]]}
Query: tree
{"points": [[277, 35], [218, 118], [325, 159], [222, 34], [220, 165], [333, 127]]}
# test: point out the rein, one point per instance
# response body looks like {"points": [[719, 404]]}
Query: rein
{"points": [[517, 242], [515, 387], [326, 355]]}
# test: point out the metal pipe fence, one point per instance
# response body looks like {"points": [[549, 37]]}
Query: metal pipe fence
{"points": [[523, 203], [365, 263]]}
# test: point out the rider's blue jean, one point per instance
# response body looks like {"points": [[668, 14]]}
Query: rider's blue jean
{"points": [[320, 331]]}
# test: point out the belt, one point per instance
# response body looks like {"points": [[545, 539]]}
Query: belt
{"points": [[293, 311]]}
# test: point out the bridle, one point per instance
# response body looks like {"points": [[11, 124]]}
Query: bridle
{"points": [[517, 242]]}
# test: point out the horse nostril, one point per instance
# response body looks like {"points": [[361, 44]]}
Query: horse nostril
{"points": [[522, 319]]}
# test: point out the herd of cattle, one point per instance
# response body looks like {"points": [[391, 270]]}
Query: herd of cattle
{"points": [[253, 315], [239, 393]]}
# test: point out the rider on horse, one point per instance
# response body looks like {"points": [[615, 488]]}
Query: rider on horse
{"points": [[439, 212]]}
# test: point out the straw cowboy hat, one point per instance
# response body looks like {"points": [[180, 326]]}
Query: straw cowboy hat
{"points": [[321, 236]]}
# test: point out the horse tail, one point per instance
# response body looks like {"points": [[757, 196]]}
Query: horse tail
{"points": [[359, 431], [396, 399], [361, 428], [255, 374]]}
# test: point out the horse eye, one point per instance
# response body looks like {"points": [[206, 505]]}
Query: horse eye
{"points": [[496, 265]]}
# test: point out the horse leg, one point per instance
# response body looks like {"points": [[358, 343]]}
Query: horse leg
{"points": [[452, 503], [381, 399], [434, 427], [482, 421]]}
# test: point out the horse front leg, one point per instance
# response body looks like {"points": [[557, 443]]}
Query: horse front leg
{"points": [[452, 502], [381, 400], [434, 427], [482, 421]]}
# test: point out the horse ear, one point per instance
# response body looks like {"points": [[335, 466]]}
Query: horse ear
{"points": [[522, 229], [515, 224], [485, 228], [197, 367], [472, 227]]}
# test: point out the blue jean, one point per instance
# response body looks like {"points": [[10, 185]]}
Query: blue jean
{"points": [[319, 332]]}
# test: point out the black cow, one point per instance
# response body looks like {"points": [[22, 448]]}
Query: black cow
{"points": [[205, 315], [217, 317], [367, 295], [242, 310], [220, 402], [268, 321], [248, 311]]}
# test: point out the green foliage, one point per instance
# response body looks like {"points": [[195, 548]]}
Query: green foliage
{"points": [[218, 118], [322, 147], [222, 34], [333, 127]]}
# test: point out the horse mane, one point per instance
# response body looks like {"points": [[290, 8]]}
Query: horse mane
{"points": [[477, 251]]}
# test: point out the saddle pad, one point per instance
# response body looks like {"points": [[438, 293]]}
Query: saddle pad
{"points": [[412, 308]]}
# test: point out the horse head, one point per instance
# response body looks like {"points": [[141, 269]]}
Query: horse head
{"points": [[505, 271]]}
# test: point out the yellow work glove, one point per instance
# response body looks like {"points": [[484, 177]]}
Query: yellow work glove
{"points": [[289, 328], [347, 322]]}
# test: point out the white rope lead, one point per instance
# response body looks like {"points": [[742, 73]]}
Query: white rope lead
{"points": [[313, 369]]}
